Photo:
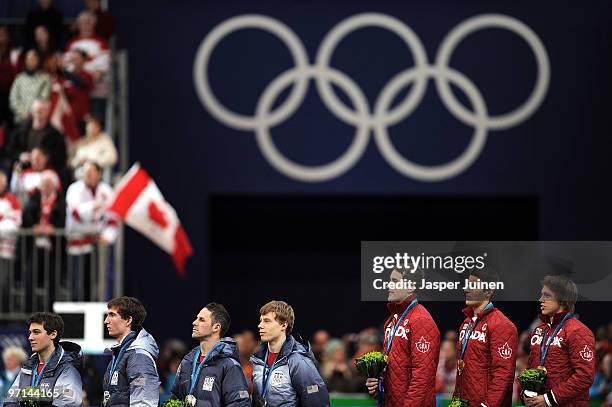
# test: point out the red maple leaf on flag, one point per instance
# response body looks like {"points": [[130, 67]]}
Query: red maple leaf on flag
{"points": [[156, 215]]}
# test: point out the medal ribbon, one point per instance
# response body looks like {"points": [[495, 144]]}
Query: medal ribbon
{"points": [[265, 379], [381, 387], [469, 329], [195, 370], [397, 325], [115, 360], [544, 346], [35, 380]]}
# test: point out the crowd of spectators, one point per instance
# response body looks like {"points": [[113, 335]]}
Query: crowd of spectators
{"points": [[53, 148]]}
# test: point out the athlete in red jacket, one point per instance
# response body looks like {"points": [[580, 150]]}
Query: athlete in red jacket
{"points": [[412, 341], [567, 353], [486, 351]]}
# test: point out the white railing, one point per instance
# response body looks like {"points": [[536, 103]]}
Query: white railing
{"points": [[37, 270]]}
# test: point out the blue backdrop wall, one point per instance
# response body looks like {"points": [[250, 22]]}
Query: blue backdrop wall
{"points": [[260, 232]]}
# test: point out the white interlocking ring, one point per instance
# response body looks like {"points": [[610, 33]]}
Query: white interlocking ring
{"points": [[360, 115]]}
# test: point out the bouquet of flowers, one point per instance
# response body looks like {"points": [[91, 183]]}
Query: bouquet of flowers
{"points": [[532, 380], [173, 403], [458, 402], [372, 364], [33, 397]]}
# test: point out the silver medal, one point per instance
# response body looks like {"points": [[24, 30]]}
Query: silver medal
{"points": [[190, 400]]}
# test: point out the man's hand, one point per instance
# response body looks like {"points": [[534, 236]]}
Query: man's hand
{"points": [[537, 401], [43, 229], [25, 156], [372, 385]]}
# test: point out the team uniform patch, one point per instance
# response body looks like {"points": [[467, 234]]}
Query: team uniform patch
{"points": [[422, 345], [505, 351], [139, 381], [312, 389], [277, 378], [208, 383], [586, 353]]}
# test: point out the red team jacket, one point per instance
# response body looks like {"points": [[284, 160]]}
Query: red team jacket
{"points": [[490, 359], [413, 359], [570, 362]]}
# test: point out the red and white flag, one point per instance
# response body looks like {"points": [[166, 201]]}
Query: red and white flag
{"points": [[62, 116], [141, 205]]}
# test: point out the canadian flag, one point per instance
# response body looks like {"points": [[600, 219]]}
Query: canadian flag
{"points": [[141, 205], [62, 117]]}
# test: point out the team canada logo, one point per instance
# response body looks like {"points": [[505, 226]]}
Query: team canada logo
{"points": [[422, 345], [538, 331], [586, 353], [505, 351]]}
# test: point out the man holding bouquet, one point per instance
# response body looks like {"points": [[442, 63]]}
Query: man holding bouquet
{"points": [[562, 347], [486, 352], [211, 374], [412, 345]]}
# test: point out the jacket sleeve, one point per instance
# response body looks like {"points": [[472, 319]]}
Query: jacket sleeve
{"points": [[458, 382], [12, 401], [14, 96], [81, 212], [69, 387], [581, 348], [144, 381], [16, 144], [504, 344], [176, 386], [234, 387], [310, 388], [532, 356], [56, 146], [424, 361]]}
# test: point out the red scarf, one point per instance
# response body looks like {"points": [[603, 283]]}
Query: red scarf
{"points": [[46, 206]]}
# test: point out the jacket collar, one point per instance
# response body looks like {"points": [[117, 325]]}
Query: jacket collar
{"points": [[127, 340], [469, 312], [556, 319], [54, 359], [289, 346], [400, 307]]}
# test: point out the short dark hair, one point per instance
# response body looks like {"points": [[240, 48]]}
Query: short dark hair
{"points": [[487, 275], [130, 307], [82, 53], [565, 290], [50, 322], [219, 315], [94, 164], [95, 118]]}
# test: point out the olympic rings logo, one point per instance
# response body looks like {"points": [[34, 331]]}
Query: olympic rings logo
{"points": [[363, 117]]}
